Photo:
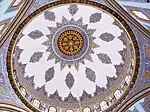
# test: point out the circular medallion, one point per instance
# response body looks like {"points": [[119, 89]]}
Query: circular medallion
{"points": [[70, 42], [73, 61]]}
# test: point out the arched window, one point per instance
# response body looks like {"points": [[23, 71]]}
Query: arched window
{"points": [[46, 110], [52, 109], [127, 79], [87, 109], [36, 103], [117, 94], [69, 111], [23, 91], [103, 105]]}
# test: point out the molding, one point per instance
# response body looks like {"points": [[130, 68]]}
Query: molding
{"points": [[12, 108], [131, 101], [14, 24], [128, 17]]}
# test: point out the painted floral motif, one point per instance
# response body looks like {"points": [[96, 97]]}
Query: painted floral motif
{"points": [[70, 98], [85, 96], [69, 80], [78, 74], [107, 37], [49, 74], [36, 57], [86, 37], [73, 9], [35, 34], [90, 74], [49, 16], [55, 96], [104, 58], [96, 17]]}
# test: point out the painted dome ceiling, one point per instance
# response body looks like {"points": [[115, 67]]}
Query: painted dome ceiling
{"points": [[71, 60], [74, 57]]}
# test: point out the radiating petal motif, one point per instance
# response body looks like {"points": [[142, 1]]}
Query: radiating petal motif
{"points": [[119, 69], [57, 60], [85, 96], [122, 37], [96, 17], [63, 65], [49, 15], [41, 89], [59, 25], [73, 9], [80, 21], [88, 57], [99, 90], [67, 68], [76, 65], [104, 58], [64, 20], [36, 57], [91, 31], [31, 80], [123, 54], [72, 21], [51, 56], [94, 45], [110, 81], [22, 67], [85, 27], [55, 96], [18, 53], [107, 37], [49, 74], [82, 61], [35, 34], [70, 98], [69, 80], [90, 74], [46, 43]]}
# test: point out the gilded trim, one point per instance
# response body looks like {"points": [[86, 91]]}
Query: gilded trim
{"points": [[8, 110], [8, 31], [9, 104], [19, 29], [128, 17], [134, 101]]}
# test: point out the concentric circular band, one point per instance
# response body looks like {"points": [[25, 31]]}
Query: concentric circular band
{"points": [[83, 48], [11, 73], [70, 42]]}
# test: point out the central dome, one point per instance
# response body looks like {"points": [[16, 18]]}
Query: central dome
{"points": [[77, 62]]}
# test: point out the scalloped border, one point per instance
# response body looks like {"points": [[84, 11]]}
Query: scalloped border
{"points": [[43, 8]]}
